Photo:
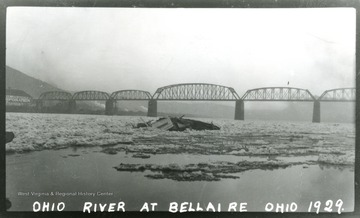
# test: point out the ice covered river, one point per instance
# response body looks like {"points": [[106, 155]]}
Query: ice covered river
{"points": [[71, 159]]}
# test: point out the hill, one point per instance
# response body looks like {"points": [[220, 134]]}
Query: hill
{"points": [[34, 87]]}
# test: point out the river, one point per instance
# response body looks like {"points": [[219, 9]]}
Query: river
{"points": [[63, 158]]}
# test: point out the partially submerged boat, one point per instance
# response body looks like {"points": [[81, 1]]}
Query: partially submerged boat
{"points": [[178, 124]]}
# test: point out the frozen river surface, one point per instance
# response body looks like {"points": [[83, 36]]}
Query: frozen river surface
{"points": [[73, 157]]}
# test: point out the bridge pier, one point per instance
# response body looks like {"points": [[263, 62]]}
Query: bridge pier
{"points": [[239, 110], [72, 106], [38, 105], [316, 112], [109, 107], [152, 108]]}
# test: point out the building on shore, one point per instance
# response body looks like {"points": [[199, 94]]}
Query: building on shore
{"points": [[18, 101]]}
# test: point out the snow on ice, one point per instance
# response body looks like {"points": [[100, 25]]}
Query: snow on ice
{"points": [[333, 143]]}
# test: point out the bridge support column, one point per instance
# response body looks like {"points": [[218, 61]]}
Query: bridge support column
{"points": [[316, 112], [239, 110], [152, 108], [72, 106], [38, 106], [109, 107]]}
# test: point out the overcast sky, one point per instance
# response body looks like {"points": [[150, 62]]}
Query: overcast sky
{"points": [[109, 49]]}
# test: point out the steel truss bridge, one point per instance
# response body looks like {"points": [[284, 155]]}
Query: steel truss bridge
{"points": [[204, 92], [339, 95], [90, 95], [96, 95], [131, 95], [196, 92], [278, 94], [56, 95]]}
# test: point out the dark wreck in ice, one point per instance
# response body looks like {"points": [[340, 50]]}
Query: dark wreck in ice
{"points": [[178, 124]]}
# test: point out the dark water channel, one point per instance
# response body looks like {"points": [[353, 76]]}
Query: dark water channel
{"points": [[88, 170]]}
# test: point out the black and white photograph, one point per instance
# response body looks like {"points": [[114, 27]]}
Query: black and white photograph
{"points": [[180, 109]]}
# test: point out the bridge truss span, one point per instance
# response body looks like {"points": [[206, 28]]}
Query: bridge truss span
{"points": [[196, 92], [278, 94], [130, 95], [339, 95], [91, 96], [55, 95]]}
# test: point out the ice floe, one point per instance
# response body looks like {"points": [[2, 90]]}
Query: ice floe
{"points": [[334, 144]]}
